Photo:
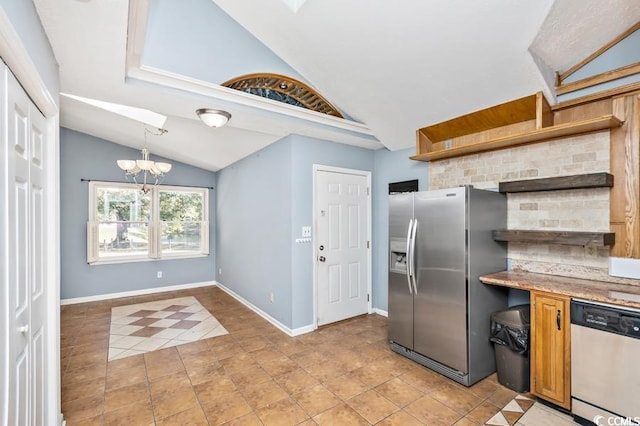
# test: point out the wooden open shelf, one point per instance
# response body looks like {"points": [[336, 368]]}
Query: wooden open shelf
{"points": [[591, 180], [608, 121], [517, 111], [593, 239]]}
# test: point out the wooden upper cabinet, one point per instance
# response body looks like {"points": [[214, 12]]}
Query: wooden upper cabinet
{"points": [[551, 348]]}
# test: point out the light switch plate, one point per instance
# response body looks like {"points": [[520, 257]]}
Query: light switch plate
{"points": [[306, 231]]}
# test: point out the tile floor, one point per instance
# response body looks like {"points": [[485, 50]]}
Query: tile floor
{"points": [[145, 327], [342, 374]]}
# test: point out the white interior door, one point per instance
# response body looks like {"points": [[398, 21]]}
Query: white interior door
{"points": [[341, 239], [5, 315], [25, 197]]}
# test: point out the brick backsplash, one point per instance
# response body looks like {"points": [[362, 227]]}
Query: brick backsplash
{"points": [[575, 210]]}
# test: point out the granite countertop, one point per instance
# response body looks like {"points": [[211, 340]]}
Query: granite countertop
{"points": [[599, 291]]}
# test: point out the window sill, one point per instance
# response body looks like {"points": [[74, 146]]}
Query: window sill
{"points": [[120, 260]]}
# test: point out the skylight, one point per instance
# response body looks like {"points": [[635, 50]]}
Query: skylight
{"points": [[139, 114], [294, 5]]}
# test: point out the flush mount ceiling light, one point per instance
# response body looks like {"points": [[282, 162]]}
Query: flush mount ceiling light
{"points": [[213, 117], [140, 168]]}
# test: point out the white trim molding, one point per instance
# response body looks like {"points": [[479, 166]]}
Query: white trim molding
{"points": [[135, 69], [381, 312], [17, 58], [153, 223], [140, 292], [289, 331]]}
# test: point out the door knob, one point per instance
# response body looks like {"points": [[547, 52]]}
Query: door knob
{"points": [[321, 248], [322, 258], [24, 329]]}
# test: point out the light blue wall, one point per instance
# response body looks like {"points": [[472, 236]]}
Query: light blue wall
{"points": [[203, 42], [26, 22], [307, 152], [259, 207], [626, 52], [267, 198], [84, 156], [253, 222], [390, 166], [263, 202]]}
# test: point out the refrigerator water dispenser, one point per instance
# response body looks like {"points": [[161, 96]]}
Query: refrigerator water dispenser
{"points": [[398, 255]]}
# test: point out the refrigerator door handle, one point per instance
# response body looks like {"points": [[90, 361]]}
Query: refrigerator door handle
{"points": [[408, 255], [413, 249]]}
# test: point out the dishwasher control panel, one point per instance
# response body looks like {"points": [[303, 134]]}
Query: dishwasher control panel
{"points": [[606, 317]]}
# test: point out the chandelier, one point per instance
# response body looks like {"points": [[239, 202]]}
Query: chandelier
{"points": [[144, 171]]}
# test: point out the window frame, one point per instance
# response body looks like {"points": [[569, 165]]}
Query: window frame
{"points": [[154, 225]]}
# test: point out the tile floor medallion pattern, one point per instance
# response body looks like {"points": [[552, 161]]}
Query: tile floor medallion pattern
{"points": [[512, 412], [342, 374], [145, 327]]}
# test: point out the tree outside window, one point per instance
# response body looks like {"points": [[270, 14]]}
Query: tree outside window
{"points": [[127, 225]]}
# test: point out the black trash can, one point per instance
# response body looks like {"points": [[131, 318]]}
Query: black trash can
{"points": [[510, 333]]}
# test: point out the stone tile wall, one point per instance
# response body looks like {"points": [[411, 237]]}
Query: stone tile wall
{"points": [[575, 210]]}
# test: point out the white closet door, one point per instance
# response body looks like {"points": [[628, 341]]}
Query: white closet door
{"points": [[4, 254], [26, 138], [38, 278]]}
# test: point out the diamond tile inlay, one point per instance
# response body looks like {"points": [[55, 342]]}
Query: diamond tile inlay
{"points": [[146, 327], [142, 313], [147, 332], [180, 315], [144, 321], [175, 308], [185, 324]]}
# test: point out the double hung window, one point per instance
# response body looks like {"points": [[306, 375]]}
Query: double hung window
{"points": [[127, 225]]}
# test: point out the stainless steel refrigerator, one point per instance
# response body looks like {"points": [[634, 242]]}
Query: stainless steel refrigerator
{"points": [[439, 312]]}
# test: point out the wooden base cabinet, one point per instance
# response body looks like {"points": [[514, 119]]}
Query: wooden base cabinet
{"points": [[551, 348]]}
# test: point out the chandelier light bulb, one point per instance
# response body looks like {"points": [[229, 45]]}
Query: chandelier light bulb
{"points": [[127, 165], [163, 167], [144, 166]]}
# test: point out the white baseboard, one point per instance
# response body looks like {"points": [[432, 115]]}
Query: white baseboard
{"points": [[141, 292], [291, 332], [303, 330], [381, 312]]}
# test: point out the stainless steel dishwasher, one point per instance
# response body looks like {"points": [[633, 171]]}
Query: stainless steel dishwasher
{"points": [[605, 364]]}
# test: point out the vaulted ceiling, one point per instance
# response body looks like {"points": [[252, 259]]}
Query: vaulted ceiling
{"points": [[389, 67]]}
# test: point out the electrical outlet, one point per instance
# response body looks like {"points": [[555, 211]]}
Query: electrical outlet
{"points": [[159, 274], [447, 144], [306, 231], [271, 297], [219, 271]]}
